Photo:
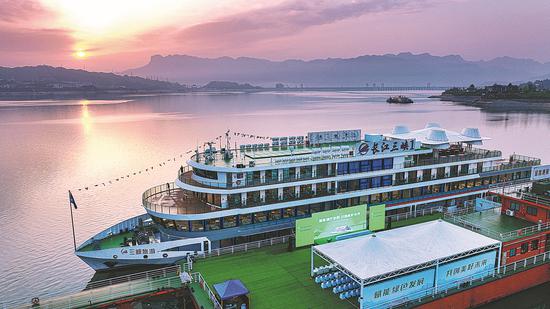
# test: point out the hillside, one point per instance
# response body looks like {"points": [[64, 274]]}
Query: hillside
{"points": [[46, 78], [404, 69]]}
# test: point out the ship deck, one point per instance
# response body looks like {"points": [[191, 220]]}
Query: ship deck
{"points": [[494, 224], [177, 201], [277, 278]]}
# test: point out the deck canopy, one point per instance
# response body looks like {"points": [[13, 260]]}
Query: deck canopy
{"points": [[382, 255], [435, 136]]}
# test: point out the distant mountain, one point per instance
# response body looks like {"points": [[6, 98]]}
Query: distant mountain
{"points": [[392, 70], [46, 77]]}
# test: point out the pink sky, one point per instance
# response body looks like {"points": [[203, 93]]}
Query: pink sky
{"points": [[109, 35]]}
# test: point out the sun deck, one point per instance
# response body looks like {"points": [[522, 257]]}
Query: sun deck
{"points": [[494, 224], [175, 201]]}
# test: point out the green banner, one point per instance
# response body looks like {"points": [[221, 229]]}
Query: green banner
{"points": [[304, 232], [377, 217], [329, 224]]}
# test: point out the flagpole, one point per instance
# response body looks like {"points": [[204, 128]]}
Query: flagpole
{"points": [[72, 223]]}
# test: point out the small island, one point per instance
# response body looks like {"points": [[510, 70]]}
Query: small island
{"points": [[399, 100], [526, 97]]}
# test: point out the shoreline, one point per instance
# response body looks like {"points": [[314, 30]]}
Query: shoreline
{"points": [[499, 105]]}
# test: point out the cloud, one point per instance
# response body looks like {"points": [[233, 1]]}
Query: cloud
{"points": [[12, 11], [285, 19], [35, 40]]}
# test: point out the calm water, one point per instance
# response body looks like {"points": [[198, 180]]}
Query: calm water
{"points": [[47, 150]]}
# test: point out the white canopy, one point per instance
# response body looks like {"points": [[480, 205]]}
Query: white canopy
{"points": [[387, 251], [433, 135]]}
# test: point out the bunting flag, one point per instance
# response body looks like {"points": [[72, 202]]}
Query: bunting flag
{"points": [[163, 164]]}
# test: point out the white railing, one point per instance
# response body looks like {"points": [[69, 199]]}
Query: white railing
{"points": [[427, 295], [415, 214], [247, 246], [107, 294], [165, 272], [198, 278], [463, 222]]}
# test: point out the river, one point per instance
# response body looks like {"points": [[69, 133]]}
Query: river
{"points": [[50, 147]]}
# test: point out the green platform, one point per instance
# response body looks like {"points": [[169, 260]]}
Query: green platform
{"points": [[277, 278]]}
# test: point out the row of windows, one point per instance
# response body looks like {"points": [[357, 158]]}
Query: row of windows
{"points": [[205, 173], [241, 220], [364, 166], [531, 210], [524, 248]]}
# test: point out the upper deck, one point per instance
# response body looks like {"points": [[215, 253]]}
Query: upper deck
{"points": [[493, 223]]}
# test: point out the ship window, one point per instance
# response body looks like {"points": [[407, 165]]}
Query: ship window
{"points": [[230, 221], [388, 163], [396, 195], [524, 247], [260, 217], [535, 244], [213, 224], [354, 167], [377, 164], [288, 212], [532, 210], [245, 219], [205, 173], [197, 226], [366, 166], [364, 183], [386, 180], [275, 214], [302, 210], [514, 206], [342, 168], [513, 252], [182, 226], [375, 182]]}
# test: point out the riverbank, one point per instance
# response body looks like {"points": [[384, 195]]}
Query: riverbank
{"points": [[78, 94], [499, 105]]}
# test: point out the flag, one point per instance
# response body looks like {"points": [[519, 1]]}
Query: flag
{"points": [[71, 200]]}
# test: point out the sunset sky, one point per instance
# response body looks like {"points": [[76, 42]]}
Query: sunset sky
{"points": [[113, 35]]}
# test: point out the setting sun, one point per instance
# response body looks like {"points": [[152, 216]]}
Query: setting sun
{"points": [[80, 54]]}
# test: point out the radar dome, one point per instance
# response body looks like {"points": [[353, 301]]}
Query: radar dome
{"points": [[400, 130], [471, 132], [437, 135], [432, 125]]}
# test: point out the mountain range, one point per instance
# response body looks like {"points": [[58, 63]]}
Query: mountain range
{"points": [[404, 69], [48, 76]]}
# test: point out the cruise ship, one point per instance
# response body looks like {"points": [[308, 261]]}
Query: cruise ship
{"points": [[229, 196]]}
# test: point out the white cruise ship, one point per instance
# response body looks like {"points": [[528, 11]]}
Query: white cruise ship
{"points": [[226, 196]]}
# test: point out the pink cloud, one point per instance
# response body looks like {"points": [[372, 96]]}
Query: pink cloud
{"points": [[284, 19]]}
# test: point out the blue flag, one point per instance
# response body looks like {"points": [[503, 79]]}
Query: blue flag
{"points": [[71, 200]]}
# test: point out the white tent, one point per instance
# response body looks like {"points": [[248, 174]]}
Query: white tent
{"points": [[389, 251]]}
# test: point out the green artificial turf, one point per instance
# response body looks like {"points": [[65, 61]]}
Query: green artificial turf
{"points": [[201, 297], [277, 278]]}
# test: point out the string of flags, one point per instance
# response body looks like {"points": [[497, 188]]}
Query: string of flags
{"points": [[157, 166]]}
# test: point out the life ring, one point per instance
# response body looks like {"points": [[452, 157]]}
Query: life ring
{"points": [[35, 301], [115, 256], [165, 255]]}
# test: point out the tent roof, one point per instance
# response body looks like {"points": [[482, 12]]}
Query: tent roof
{"points": [[434, 135], [230, 289], [387, 251]]}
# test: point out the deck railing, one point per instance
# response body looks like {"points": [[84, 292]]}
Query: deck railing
{"points": [[458, 219], [154, 274], [198, 278], [107, 294], [427, 295]]}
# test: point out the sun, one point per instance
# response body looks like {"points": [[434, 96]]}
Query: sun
{"points": [[80, 54]]}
